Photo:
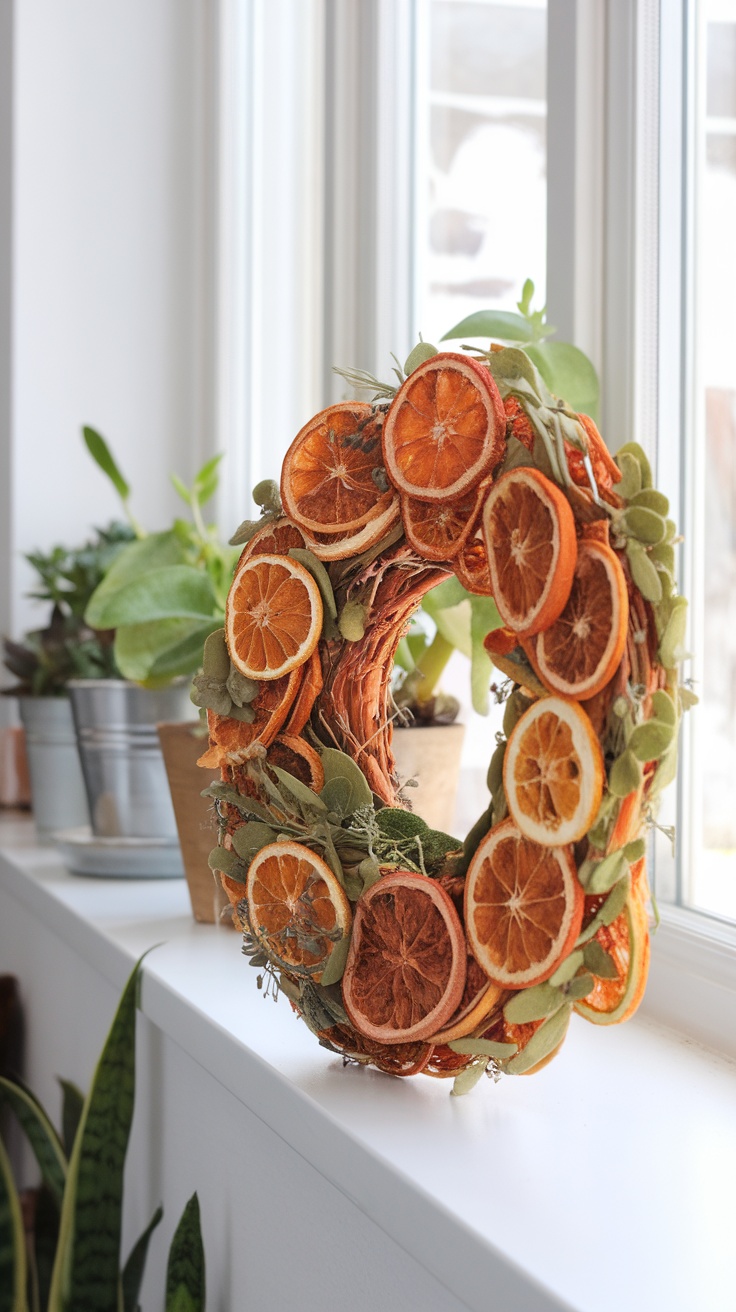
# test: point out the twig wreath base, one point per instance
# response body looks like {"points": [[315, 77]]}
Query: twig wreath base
{"points": [[400, 946]]}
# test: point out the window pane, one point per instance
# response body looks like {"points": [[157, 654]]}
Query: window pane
{"points": [[482, 158], [713, 850]]}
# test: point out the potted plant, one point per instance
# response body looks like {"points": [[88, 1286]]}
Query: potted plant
{"points": [[163, 596], [46, 660], [60, 1243]]}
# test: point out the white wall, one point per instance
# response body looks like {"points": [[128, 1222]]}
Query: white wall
{"points": [[112, 228]]}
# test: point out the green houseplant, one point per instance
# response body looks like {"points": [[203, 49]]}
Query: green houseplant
{"points": [[70, 1262], [47, 658]]}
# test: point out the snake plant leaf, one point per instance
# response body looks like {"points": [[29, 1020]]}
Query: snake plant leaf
{"points": [[132, 1277], [503, 325], [45, 1239], [157, 652], [13, 1264], [72, 1102], [86, 1270], [155, 552], [185, 1273], [41, 1135]]}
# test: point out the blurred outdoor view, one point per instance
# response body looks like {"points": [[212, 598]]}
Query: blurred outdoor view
{"points": [[714, 874]]}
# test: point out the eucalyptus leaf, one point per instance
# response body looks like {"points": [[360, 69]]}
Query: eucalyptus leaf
{"points": [[303, 795], [651, 499], [639, 454], [579, 987], [533, 1004], [663, 707], [211, 694], [607, 872], [352, 621], [598, 961], [625, 775], [336, 961], [336, 796], [672, 643], [645, 525], [644, 572], [320, 576], [419, 354], [483, 1048], [250, 838], [338, 765], [216, 657], [467, 1079], [228, 863], [484, 618], [542, 1043], [567, 969], [612, 907], [241, 689], [650, 740], [370, 872], [630, 482]]}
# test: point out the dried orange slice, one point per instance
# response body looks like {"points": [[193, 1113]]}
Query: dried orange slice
{"points": [[297, 757], [297, 908], [445, 429], [405, 972], [605, 469], [471, 567], [439, 532], [274, 539], [626, 940], [529, 532], [271, 706], [523, 907], [338, 546], [273, 616], [553, 772], [480, 998], [311, 687], [332, 480], [518, 423], [580, 651]]}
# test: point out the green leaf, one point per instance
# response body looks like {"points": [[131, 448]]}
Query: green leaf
{"points": [[607, 872], [132, 1276], [598, 961], [151, 553], [533, 1004], [336, 796], [580, 986], [303, 795], [40, 1133], [103, 457], [320, 576], [227, 862], [483, 1048], [216, 657], [484, 618], [516, 372], [185, 1273], [72, 1103], [161, 650], [12, 1242], [567, 969], [248, 839], [206, 480], [338, 765], [569, 374], [503, 325], [336, 961], [542, 1043], [180, 488], [45, 1239], [86, 1270], [467, 1079], [455, 624], [171, 593], [612, 907]]}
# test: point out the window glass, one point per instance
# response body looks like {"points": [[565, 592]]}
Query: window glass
{"points": [[481, 178], [712, 880]]}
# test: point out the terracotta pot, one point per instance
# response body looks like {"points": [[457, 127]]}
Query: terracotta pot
{"points": [[431, 755], [181, 744]]}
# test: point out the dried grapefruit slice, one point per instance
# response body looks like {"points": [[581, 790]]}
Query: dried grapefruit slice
{"points": [[445, 429], [405, 972], [439, 532], [332, 472], [297, 909], [273, 617], [529, 532], [579, 652], [523, 907], [553, 772], [626, 940]]}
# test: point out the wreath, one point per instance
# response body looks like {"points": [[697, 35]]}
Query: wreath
{"points": [[400, 946]]}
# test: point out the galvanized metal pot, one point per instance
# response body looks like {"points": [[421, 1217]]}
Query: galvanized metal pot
{"points": [[57, 786], [121, 757]]}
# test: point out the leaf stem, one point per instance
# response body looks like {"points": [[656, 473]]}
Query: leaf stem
{"points": [[431, 665]]}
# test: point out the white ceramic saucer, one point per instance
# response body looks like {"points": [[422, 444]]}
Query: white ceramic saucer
{"points": [[119, 858]]}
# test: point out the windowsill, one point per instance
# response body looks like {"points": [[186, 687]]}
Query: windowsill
{"points": [[603, 1182]]}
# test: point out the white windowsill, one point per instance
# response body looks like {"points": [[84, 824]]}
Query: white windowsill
{"points": [[604, 1182]]}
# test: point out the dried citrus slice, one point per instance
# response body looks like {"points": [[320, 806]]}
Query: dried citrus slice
{"points": [[626, 940], [295, 755], [276, 538], [338, 546], [471, 567], [480, 998], [553, 772], [579, 652], [518, 423], [445, 429], [438, 532], [605, 470], [400, 1059], [523, 907], [273, 617], [332, 480], [228, 737], [297, 908], [311, 686], [405, 972], [529, 532]]}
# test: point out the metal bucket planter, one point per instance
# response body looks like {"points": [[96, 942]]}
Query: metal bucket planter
{"points": [[431, 755], [121, 757], [57, 787]]}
